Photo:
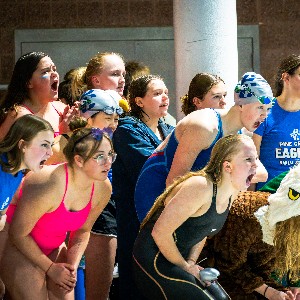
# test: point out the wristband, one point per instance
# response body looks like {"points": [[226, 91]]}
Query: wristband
{"points": [[49, 268], [192, 260], [265, 291]]}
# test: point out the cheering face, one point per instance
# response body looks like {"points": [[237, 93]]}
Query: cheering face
{"points": [[44, 81], [253, 114], [37, 151], [242, 166], [112, 75]]}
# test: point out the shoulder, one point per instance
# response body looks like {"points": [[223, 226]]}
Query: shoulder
{"points": [[103, 190], [202, 126], [247, 203], [45, 181], [196, 184]]}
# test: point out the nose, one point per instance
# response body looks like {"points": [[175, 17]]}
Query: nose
{"points": [[50, 151], [113, 126], [122, 78], [255, 164], [165, 96]]}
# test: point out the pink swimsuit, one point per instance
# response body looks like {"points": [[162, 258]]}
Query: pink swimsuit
{"points": [[51, 229], [56, 133]]}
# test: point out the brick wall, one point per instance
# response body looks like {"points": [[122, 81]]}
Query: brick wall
{"points": [[279, 23]]}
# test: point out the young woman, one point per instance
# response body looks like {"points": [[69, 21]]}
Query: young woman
{"points": [[60, 199], [33, 90], [193, 207], [134, 140], [105, 71], [277, 140], [190, 144], [26, 147], [205, 91]]}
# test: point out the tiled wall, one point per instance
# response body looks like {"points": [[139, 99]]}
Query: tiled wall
{"points": [[279, 22]]}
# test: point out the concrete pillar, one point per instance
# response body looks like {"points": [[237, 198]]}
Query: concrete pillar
{"points": [[205, 40]]}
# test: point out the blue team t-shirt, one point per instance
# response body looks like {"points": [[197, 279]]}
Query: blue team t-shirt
{"points": [[8, 185], [280, 145]]}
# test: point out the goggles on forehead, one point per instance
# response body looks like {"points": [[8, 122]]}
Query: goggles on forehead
{"points": [[109, 110], [245, 91]]}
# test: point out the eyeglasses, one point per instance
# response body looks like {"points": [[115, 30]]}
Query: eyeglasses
{"points": [[102, 159], [109, 110]]}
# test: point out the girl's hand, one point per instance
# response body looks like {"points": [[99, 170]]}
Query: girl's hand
{"points": [[63, 275], [193, 269], [66, 116], [274, 294]]}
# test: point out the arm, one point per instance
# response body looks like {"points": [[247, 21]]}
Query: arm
{"points": [[177, 211], [79, 239], [194, 135], [195, 252]]}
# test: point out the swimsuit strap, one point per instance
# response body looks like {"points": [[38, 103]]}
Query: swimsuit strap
{"points": [[27, 108], [55, 109], [67, 181]]}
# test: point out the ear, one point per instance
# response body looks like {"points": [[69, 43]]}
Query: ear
{"points": [[227, 166], [21, 145], [139, 101], [197, 102], [285, 76], [78, 161], [95, 81], [29, 84]]}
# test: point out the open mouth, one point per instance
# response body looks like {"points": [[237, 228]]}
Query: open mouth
{"points": [[54, 86], [249, 179], [256, 124], [42, 163], [164, 105]]}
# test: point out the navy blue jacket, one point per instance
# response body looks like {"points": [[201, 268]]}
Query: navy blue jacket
{"points": [[133, 142]]}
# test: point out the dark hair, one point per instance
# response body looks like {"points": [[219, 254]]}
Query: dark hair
{"points": [[65, 92], [83, 143], [24, 128], [17, 90], [287, 65], [199, 87], [139, 88], [134, 69]]}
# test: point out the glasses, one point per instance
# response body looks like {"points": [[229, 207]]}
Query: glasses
{"points": [[109, 110], [102, 159]]}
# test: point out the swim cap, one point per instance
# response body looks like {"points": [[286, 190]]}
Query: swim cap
{"points": [[96, 100], [251, 88]]}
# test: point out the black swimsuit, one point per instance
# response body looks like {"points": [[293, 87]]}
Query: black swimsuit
{"points": [[155, 276]]}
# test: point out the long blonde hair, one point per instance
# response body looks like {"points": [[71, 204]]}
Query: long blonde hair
{"points": [[223, 150], [287, 245]]}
